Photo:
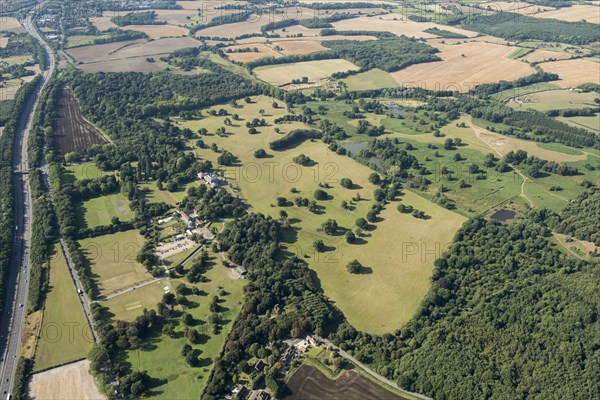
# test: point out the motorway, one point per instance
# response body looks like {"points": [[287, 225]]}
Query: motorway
{"points": [[18, 283]]}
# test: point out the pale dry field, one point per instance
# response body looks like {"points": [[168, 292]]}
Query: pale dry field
{"points": [[543, 55], [3, 42], [72, 381], [10, 24], [103, 23], [233, 30], [296, 30], [300, 47], [263, 51], [575, 13], [464, 66], [396, 24], [518, 7], [314, 70], [573, 72], [159, 31]]}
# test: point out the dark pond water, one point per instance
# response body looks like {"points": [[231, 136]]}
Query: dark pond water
{"points": [[504, 215], [356, 148]]}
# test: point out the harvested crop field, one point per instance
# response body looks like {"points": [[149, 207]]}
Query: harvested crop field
{"points": [[135, 64], [262, 51], [72, 381], [74, 133], [575, 13], [544, 55], [233, 30], [574, 72], [310, 383], [99, 52], [3, 42], [300, 47], [10, 24], [555, 100], [464, 66], [159, 31], [129, 55], [314, 70], [396, 24]]}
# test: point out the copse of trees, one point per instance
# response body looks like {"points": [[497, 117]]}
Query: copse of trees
{"points": [[294, 138], [579, 218]]}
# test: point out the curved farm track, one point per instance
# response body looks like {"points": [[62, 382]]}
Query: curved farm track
{"points": [[74, 133]]}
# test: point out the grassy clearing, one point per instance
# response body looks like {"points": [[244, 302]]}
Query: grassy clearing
{"points": [[372, 79], [101, 210], [130, 305], [83, 40], [392, 280], [113, 260], [164, 362], [65, 335], [519, 53]]}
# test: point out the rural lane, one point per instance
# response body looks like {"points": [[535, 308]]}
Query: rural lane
{"points": [[370, 372], [15, 312]]}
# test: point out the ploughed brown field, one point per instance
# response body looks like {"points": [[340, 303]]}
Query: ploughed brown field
{"points": [[310, 383], [74, 133]]}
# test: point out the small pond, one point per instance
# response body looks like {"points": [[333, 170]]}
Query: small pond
{"points": [[504, 215]]}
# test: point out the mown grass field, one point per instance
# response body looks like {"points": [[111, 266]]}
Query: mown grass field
{"points": [[163, 360], [128, 306], [372, 79], [84, 171], [590, 123], [65, 334], [113, 260], [101, 210], [396, 285]]}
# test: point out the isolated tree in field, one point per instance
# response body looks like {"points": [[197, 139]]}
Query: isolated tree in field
{"points": [[260, 153], [319, 245], [346, 183], [252, 131], [457, 157], [214, 304], [354, 267], [320, 194], [330, 227]]}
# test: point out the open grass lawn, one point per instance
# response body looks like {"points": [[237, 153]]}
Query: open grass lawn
{"points": [[65, 335], [156, 195], [372, 79], [561, 148], [397, 285], [590, 123], [82, 171], [101, 210], [113, 260], [536, 87], [128, 306], [555, 100], [163, 361], [83, 40]]}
